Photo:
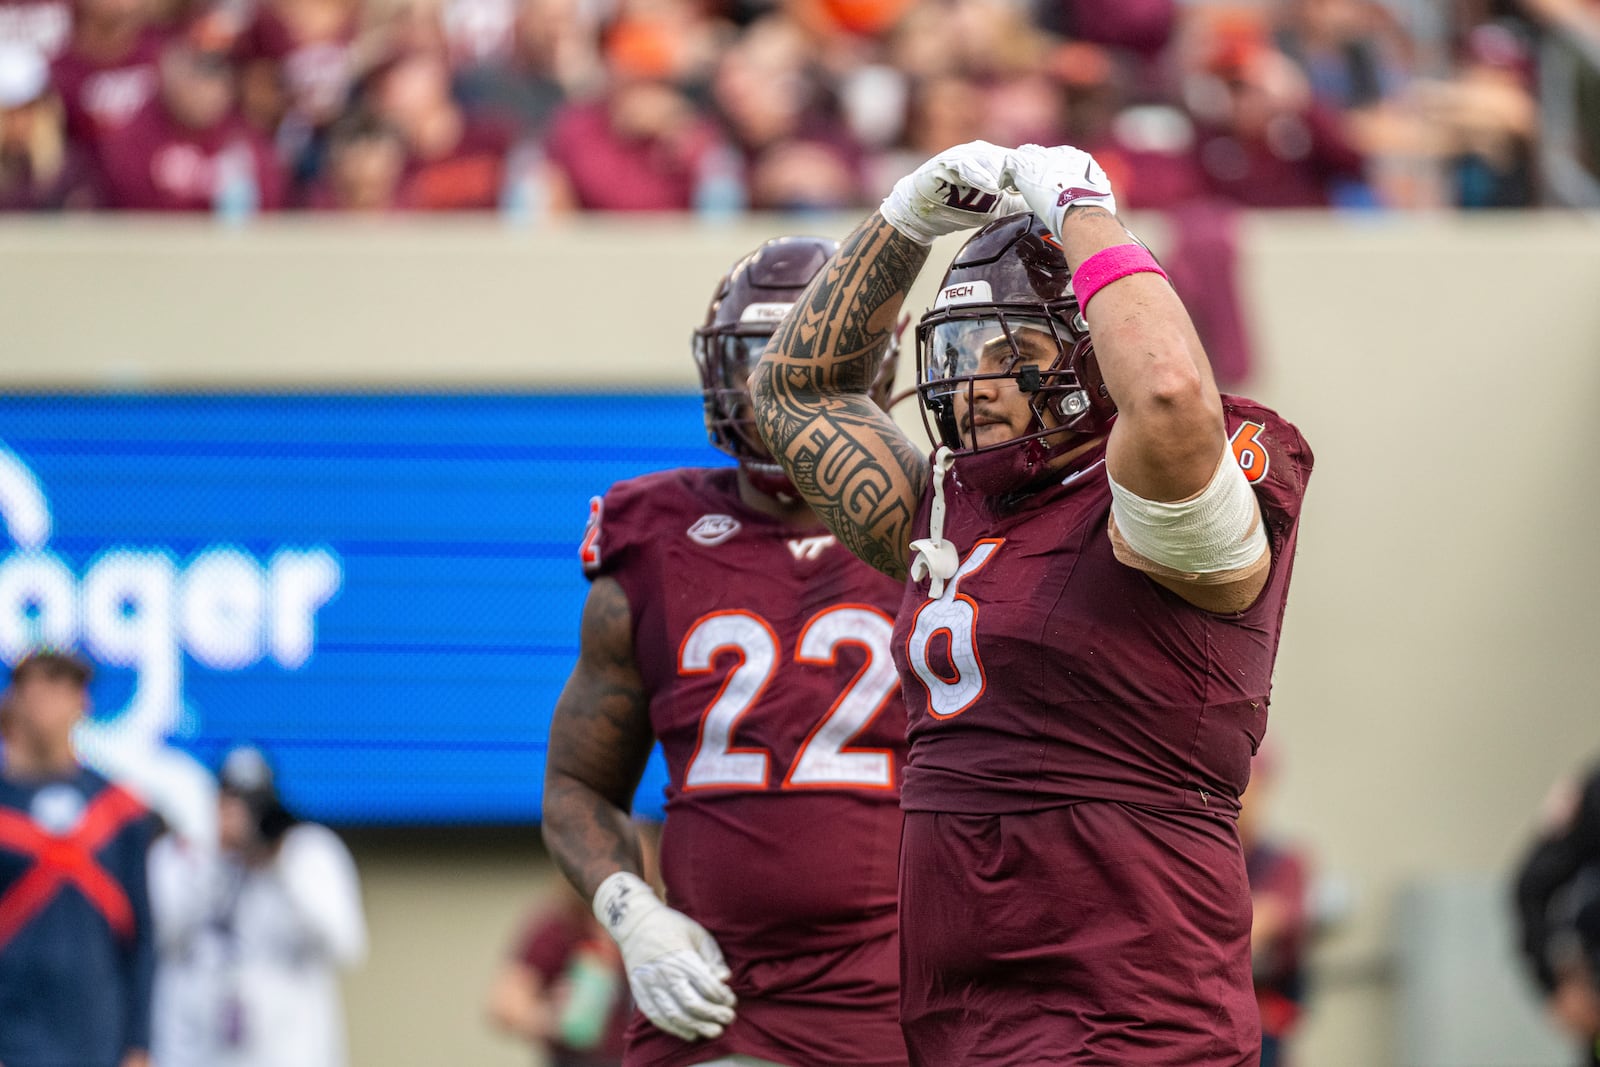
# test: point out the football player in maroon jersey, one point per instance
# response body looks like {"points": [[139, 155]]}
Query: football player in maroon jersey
{"points": [[727, 622], [1098, 558]]}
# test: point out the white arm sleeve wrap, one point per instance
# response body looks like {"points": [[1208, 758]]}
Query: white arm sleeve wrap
{"points": [[1216, 530]]}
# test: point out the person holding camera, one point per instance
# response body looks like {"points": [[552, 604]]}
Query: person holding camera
{"points": [[1556, 898], [252, 934]]}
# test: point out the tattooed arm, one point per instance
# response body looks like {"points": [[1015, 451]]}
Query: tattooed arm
{"points": [[600, 737], [854, 466], [599, 742]]}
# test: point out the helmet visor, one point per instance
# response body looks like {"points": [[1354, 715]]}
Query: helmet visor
{"points": [[735, 356], [728, 360], [984, 357], [958, 349]]}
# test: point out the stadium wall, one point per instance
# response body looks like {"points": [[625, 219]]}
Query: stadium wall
{"points": [[1437, 670]]}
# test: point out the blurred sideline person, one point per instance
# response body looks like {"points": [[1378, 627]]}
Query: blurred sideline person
{"points": [[1280, 923], [252, 936], [1097, 582], [563, 990], [76, 950], [724, 620], [1557, 902]]}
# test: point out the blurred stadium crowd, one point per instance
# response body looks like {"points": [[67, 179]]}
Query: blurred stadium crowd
{"points": [[536, 107]]}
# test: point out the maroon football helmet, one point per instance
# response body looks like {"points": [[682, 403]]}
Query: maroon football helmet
{"points": [[746, 308], [1008, 294]]}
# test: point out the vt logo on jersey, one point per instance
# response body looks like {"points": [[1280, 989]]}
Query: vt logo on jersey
{"points": [[806, 548], [711, 530]]}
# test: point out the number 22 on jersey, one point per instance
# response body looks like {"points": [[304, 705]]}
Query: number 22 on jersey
{"points": [[823, 761]]}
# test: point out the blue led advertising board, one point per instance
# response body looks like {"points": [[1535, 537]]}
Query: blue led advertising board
{"points": [[381, 591]]}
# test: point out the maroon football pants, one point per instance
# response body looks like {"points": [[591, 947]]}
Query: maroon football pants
{"points": [[1097, 933]]}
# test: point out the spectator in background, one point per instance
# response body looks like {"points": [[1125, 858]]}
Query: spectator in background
{"points": [[1146, 147], [1357, 60], [1263, 141], [563, 989], [1140, 26], [1557, 902], [252, 937], [784, 120], [76, 952], [552, 55], [1353, 53], [804, 176], [1280, 925], [188, 149], [1487, 118], [297, 64], [366, 159], [109, 69], [42, 24], [454, 162], [40, 169], [643, 145]]}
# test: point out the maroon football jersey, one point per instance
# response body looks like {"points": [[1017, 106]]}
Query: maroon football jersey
{"points": [[1049, 673], [100, 96], [765, 649]]}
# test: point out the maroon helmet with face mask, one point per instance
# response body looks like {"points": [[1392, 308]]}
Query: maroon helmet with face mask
{"points": [[746, 308], [1008, 297]]}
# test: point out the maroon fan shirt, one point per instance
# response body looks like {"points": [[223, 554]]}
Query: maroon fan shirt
{"points": [[156, 164], [468, 178], [101, 97], [317, 73], [1050, 673], [609, 171], [765, 649]]}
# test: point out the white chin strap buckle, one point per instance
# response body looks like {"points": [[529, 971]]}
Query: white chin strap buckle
{"points": [[935, 558]]}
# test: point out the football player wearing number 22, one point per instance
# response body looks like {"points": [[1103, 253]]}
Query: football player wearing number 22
{"points": [[1096, 558], [724, 619]]}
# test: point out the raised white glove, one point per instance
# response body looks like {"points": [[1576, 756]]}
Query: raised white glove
{"points": [[675, 969], [1052, 180], [958, 189]]}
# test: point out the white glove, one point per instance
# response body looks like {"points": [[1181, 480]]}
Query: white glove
{"points": [[958, 189], [675, 969], [1052, 180]]}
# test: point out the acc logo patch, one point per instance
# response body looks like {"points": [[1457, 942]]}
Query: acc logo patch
{"points": [[711, 530], [1250, 452]]}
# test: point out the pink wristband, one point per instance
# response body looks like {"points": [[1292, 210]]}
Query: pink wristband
{"points": [[1109, 264]]}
